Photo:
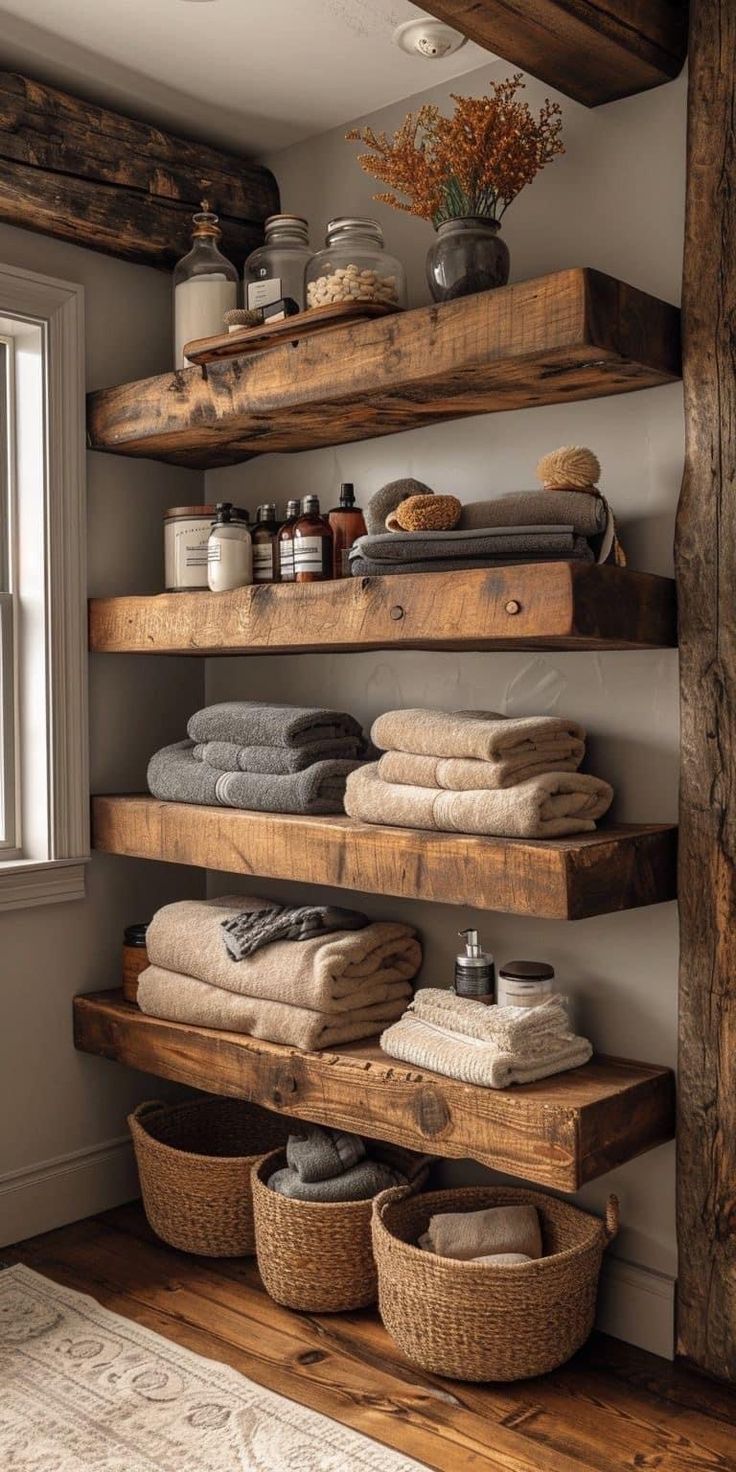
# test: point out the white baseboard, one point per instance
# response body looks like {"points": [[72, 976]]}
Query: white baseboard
{"points": [[41, 1197], [637, 1305]]}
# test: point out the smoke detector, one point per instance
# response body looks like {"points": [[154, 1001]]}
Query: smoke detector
{"points": [[431, 39]]}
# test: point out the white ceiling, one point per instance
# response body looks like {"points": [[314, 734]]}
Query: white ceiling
{"points": [[254, 75]]}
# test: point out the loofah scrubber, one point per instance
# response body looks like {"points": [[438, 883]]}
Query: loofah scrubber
{"points": [[388, 498], [425, 514], [571, 468]]}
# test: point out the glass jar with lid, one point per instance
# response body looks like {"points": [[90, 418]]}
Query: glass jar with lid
{"points": [[277, 267], [354, 267]]}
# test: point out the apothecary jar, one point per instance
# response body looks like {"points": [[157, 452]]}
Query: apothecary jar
{"points": [[283, 257], [355, 267]]}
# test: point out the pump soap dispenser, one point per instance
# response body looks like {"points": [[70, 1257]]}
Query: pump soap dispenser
{"points": [[475, 971]]}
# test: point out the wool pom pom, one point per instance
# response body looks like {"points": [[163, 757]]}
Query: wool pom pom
{"points": [[388, 498], [425, 514], [571, 468]]}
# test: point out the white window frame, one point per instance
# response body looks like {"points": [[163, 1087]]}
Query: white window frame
{"points": [[43, 625]]}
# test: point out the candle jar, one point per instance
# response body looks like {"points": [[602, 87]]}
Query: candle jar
{"points": [[525, 983], [135, 960], [354, 267]]}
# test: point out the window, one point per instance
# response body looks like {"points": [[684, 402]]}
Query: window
{"points": [[43, 708]]}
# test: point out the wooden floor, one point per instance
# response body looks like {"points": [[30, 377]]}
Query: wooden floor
{"points": [[613, 1409]]}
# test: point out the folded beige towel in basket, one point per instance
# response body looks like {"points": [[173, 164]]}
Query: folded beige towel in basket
{"points": [[483, 734], [330, 973], [179, 998], [478, 1234], [551, 805]]}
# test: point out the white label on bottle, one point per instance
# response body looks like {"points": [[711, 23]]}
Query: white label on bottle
{"points": [[286, 559], [308, 554], [263, 562], [263, 293]]}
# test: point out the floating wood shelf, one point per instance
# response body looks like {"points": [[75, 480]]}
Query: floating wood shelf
{"points": [[560, 1132], [554, 605], [569, 879], [592, 51], [575, 335]]}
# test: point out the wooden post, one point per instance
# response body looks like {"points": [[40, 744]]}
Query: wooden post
{"points": [[706, 574]]}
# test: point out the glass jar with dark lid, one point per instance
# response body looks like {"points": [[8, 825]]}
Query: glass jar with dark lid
{"points": [[525, 983], [354, 267]]}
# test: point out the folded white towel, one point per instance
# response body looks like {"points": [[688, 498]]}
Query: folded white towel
{"points": [[473, 1061]]}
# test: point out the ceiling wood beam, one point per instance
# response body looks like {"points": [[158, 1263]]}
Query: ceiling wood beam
{"points": [[93, 177], [592, 50]]}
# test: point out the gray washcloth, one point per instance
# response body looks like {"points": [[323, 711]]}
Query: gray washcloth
{"points": [[174, 776], [250, 930], [227, 756], [513, 541], [320, 1155], [360, 1183], [585, 513], [255, 723], [389, 497]]}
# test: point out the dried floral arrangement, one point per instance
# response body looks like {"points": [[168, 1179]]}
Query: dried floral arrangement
{"points": [[473, 163]]}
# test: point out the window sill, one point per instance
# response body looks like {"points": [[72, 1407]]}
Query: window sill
{"points": [[27, 882]]}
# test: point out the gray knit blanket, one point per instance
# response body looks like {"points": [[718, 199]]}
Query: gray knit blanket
{"points": [[251, 723], [395, 552], [249, 930], [174, 776]]}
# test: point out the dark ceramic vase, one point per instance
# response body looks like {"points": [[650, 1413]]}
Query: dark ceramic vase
{"points": [[467, 255]]}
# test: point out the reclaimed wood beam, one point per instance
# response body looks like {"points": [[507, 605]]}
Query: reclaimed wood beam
{"points": [[706, 578], [592, 50], [96, 178]]}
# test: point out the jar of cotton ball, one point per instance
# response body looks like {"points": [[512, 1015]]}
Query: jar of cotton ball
{"points": [[355, 268]]}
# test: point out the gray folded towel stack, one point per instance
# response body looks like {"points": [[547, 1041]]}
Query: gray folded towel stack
{"points": [[255, 723], [399, 552], [174, 776]]}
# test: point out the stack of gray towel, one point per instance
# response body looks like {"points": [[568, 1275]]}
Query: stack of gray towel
{"points": [[266, 758], [331, 1165], [526, 526]]}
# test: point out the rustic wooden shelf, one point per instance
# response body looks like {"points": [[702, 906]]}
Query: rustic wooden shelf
{"points": [[575, 335], [617, 868], [590, 51], [554, 605], [560, 1132]]}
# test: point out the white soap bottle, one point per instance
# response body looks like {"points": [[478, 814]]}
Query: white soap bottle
{"points": [[229, 549]]}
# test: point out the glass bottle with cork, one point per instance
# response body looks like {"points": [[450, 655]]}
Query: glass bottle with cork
{"points": [[265, 532], [313, 544], [205, 286], [348, 523], [285, 543]]}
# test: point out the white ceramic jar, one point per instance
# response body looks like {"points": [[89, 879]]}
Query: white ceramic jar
{"points": [[229, 550], [186, 535]]}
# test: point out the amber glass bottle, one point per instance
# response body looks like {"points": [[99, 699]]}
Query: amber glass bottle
{"points": [[347, 524], [265, 564], [313, 542], [285, 544]]}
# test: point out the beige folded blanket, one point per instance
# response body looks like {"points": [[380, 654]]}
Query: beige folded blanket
{"points": [[551, 805], [424, 1045], [465, 1235], [464, 774], [331, 973], [178, 998], [484, 734], [524, 1030]]}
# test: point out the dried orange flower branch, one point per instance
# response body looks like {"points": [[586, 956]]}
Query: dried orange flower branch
{"points": [[474, 163]]}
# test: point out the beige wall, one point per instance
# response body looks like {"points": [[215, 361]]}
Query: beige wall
{"points": [[60, 1112], [614, 202]]}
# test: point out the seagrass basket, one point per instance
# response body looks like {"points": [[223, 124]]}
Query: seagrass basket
{"points": [[317, 1256], [481, 1322], [194, 1162]]}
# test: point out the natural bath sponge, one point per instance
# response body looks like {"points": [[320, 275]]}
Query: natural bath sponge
{"points": [[388, 498], [425, 514], [571, 468]]}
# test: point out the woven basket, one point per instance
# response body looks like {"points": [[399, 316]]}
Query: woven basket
{"points": [[195, 1162], [317, 1256], [471, 1322]]}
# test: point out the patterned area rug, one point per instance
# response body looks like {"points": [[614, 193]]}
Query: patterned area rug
{"points": [[84, 1390]]}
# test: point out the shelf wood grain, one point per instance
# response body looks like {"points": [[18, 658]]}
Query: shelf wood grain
{"points": [[560, 1132], [614, 869], [592, 50], [575, 335], [553, 605]]}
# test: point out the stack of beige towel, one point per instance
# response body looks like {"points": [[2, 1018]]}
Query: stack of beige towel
{"points": [[501, 1236], [489, 1046], [309, 994], [478, 772]]}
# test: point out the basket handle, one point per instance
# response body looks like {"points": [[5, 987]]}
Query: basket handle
{"points": [[611, 1224], [385, 1198], [149, 1106]]}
